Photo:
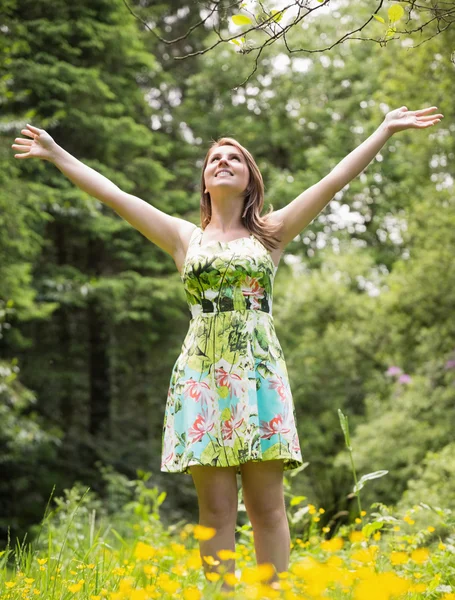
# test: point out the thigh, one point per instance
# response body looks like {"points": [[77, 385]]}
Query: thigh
{"points": [[263, 491], [217, 491]]}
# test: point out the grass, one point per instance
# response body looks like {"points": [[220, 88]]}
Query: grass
{"points": [[82, 552]]}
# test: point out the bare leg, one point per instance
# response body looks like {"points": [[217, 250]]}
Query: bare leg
{"points": [[217, 497], [264, 500]]}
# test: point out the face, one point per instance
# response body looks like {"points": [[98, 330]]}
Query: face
{"points": [[226, 167]]}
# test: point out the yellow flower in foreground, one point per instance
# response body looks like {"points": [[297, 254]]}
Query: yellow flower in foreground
{"points": [[227, 554], [95, 597], [333, 544], [76, 587], [29, 580], [442, 546], [448, 597], [10, 584], [203, 533], [365, 555], [213, 576], [398, 558], [420, 555], [380, 586], [356, 536], [144, 551], [42, 561], [430, 529], [192, 594], [210, 560], [170, 586], [363, 513], [377, 536], [311, 509], [230, 579], [261, 572]]}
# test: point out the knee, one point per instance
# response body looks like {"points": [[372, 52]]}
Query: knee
{"points": [[220, 512], [266, 516]]}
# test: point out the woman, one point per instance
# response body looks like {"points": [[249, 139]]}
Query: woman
{"points": [[229, 407]]}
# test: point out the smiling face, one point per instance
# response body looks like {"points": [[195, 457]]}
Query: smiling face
{"points": [[226, 168]]}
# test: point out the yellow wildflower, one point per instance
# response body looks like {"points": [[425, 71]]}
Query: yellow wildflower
{"points": [[357, 520], [332, 545], [10, 584], [227, 554], [448, 597], [311, 509], [192, 594], [396, 528], [356, 536], [377, 536], [204, 533], [363, 513], [326, 529], [230, 579], [29, 580], [144, 551], [210, 560], [430, 529], [42, 561], [420, 555], [76, 587], [316, 519], [95, 597], [442, 546], [213, 576], [408, 520], [322, 511], [398, 558]]}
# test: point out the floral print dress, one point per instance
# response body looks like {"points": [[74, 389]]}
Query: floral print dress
{"points": [[229, 399]]}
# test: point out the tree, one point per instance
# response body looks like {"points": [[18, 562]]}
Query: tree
{"points": [[272, 21]]}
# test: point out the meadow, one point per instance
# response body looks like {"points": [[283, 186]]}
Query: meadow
{"points": [[81, 552]]}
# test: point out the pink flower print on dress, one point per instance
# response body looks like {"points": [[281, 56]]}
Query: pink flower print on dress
{"points": [[251, 287], [233, 423], [198, 390], [295, 443], [272, 427], [202, 425], [277, 383], [169, 446], [231, 380]]}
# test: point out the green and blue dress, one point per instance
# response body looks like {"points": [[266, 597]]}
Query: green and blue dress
{"points": [[229, 399]]}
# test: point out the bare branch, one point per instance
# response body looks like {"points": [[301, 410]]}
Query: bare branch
{"points": [[440, 14]]}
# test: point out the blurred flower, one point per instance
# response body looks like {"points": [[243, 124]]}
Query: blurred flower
{"points": [[404, 378], [393, 371], [450, 364]]}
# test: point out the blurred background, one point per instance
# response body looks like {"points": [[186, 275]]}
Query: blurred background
{"points": [[93, 315]]}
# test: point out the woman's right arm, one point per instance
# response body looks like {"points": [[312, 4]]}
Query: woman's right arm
{"points": [[167, 232]]}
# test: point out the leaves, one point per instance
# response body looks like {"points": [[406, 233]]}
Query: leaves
{"points": [[241, 20], [366, 478], [395, 13]]}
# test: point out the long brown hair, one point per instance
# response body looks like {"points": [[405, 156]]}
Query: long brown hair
{"points": [[260, 227]]}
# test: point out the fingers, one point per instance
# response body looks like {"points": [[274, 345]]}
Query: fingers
{"points": [[29, 133], [424, 111], [24, 141], [430, 117], [34, 129]]}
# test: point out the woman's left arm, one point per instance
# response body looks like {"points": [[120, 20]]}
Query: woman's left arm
{"points": [[296, 215]]}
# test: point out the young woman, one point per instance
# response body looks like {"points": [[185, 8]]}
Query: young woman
{"points": [[229, 408]]}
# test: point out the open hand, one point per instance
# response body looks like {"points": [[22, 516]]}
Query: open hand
{"points": [[402, 118], [40, 145]]}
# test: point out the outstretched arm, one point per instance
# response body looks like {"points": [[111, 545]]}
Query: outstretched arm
{"points": [[164, 230], [295, 216]]}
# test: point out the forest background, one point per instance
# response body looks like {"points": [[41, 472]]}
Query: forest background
{"points": [[93, 315]]}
